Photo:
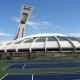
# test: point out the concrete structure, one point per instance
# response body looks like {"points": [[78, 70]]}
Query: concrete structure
{"points": [[42, 44], [25, 12]]}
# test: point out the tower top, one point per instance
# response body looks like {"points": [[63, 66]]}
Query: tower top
{"points": [[25, 12]]}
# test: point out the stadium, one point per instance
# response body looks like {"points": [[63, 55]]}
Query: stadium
{"points": [[48, 56], [49, 45], [39, 45]]}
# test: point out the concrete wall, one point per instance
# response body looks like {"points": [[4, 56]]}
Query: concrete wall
{"points": [[40, 55]]}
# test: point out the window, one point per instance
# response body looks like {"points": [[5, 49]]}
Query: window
{"points": [[23, 50], [51, 39], [78, 39], [29, 40], [66, 49], [78, 49], [41, 39], [24, 18], [53, 49], [29, 9], [72, 39], [18, 42], [38, 50], [61, 38], [9, 43]]}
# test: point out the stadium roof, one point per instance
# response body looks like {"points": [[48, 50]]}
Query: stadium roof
{"points": [[42, 43]]}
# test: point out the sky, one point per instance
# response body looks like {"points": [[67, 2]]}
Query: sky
{"points": [[48, 16]]}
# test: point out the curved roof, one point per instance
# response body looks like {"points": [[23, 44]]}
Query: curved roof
{"points": [[42, 42]]}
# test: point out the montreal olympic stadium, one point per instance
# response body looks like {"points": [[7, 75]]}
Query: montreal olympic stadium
{"points": [[39, 45]]}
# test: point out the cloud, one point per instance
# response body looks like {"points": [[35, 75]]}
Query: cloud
{"points": [[74, 34], [38, 24], [4, 34], [59, 27], [35, 24], [15, 19]]}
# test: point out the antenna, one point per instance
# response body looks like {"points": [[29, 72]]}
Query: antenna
{"points": [[25, 12]]}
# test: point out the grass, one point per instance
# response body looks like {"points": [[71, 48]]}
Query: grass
{"points": [[40, 70]]}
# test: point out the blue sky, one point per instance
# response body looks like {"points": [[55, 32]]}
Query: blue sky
{"points": [[48, 16]]}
